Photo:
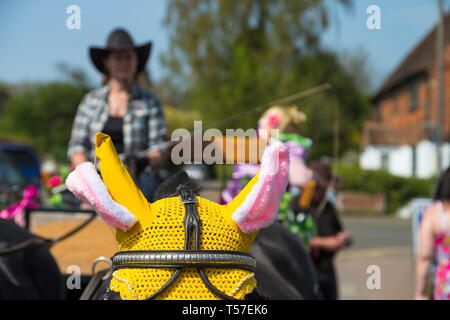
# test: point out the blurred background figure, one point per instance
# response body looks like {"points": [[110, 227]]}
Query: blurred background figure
{"points": [[288, 120], [131, 116], [434, 245], [284, 123], [329, 236]]}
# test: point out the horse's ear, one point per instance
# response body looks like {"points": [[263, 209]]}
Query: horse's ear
{"points": [[87, 185], [118, 181], [257, 204]]}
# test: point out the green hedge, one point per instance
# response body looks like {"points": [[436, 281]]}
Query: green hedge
{"points": [[398, 190]]}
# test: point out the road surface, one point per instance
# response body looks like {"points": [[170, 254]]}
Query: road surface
{"points": [[382, 246]]}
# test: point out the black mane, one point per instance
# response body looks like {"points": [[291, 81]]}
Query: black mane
{"points": [[169, 186]]}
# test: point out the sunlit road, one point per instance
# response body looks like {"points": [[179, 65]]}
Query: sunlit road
{"points": [[381, 242]]}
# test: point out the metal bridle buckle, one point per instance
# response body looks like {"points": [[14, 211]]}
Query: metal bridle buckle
{"points": [[108, 261], [187, 196]]}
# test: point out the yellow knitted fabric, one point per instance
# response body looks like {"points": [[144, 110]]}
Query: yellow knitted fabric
{"points": [[160, 227], [166, 232]]}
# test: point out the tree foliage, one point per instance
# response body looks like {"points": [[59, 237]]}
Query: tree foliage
{"points": [[231, 56], [397, 190], [42, 114]]}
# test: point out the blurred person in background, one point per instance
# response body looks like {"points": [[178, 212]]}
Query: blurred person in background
{"points": [[434, 245], [132, 116], [329, 236]]}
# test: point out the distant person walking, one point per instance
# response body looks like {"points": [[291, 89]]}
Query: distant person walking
{"points": [[329, 236], [132, 116], [434, 244]]}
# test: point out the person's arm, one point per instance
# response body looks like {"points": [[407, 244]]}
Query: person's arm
{"points": [[157, 133], [331, 243], [79, 139], [345, 237], [77, 158], [329, 222], [424, 254]]}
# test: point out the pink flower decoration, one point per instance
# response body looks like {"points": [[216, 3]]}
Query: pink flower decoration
{"points": [[54, 181], [30, 192], [273, 120], [17, 210]]}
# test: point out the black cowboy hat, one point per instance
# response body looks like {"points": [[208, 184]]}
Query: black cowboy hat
{"points": [[119, 39]]}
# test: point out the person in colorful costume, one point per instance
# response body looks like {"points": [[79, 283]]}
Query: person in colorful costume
{"points": [[434, 245], [288, 121], [142, 225]]}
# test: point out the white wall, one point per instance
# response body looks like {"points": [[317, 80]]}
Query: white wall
{"points": [[426, 159], [370, 158], [445, 155], [400, 159]]}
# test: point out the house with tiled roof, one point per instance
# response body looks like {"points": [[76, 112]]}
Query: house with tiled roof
{"points": [[401, 135]]}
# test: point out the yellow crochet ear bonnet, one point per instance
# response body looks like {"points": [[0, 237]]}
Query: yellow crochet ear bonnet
{"points": [[154, 226]]}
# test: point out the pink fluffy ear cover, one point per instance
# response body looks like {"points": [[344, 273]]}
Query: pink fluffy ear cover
{"points": [[85, 183], [260, 207]]}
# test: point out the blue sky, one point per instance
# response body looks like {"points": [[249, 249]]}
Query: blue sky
{"points": [[34, 36], [403, 24]]}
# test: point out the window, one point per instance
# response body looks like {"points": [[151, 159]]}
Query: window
{"points": [[378, 114], [395, 109], [384, 161], [413, 88], [414, 160]]}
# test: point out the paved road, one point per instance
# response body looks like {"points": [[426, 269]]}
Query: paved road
{"points": [[386, 245]]}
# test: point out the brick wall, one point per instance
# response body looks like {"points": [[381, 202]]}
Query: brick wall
{"points": [[394, 123]]}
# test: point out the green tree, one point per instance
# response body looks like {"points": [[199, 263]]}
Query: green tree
{"points": [[43, 114], [229, 56], [5, 92], [74, 75]]}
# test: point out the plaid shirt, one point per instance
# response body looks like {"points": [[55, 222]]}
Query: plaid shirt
{"points": [[144, 125]]}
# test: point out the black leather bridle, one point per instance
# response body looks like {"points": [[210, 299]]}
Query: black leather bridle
{"points": [[36, 240], [186, 258]]}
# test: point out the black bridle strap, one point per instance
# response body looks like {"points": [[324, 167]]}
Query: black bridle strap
{"points": [[166, 285], [183, 266], [74, 230], [48, 242], [191, 221], [35, 241], [182, 258], [211, 287]]}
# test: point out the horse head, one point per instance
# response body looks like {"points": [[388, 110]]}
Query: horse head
{"points": [[182, 246]]}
